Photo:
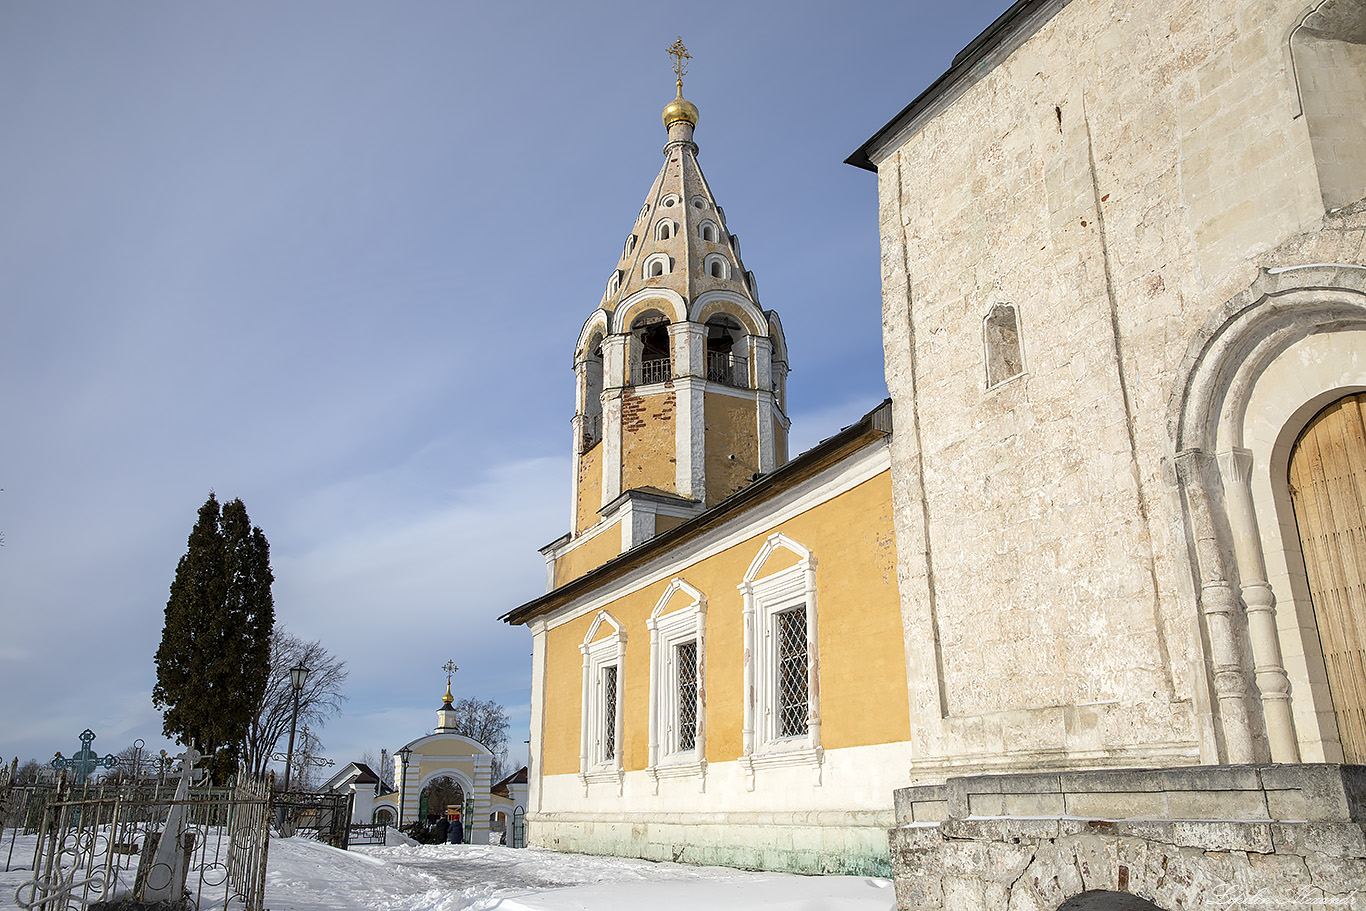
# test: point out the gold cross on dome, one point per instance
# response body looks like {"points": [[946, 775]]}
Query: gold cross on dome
{"points": [[681, 58], [450, 668]]}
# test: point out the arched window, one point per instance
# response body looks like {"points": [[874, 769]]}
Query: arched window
{"points": [[630, 245], [708, 231], [727, 348], [602, 708], [614, 283], [650, 356], [677, 667], [1001, 339], [699, 202], [644, 210], [665, 229], [1329, 52], [655, 265], [780, 636], [716, 265], [669, 201]]}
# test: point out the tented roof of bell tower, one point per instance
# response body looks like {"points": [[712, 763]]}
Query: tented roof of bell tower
{"points": [[680, 241]]}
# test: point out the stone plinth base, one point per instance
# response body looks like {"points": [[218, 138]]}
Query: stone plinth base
{"points": [[815, 842], [1208, 837]]}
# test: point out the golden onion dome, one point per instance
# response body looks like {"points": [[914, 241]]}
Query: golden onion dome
{"points": [[680, 109]]}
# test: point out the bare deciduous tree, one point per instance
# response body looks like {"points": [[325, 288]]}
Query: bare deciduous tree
{"points": [[320, 698], [486, 722]]}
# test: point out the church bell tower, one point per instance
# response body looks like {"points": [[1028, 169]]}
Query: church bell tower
{"points": [[680, 373]]}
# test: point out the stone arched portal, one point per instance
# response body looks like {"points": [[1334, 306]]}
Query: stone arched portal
{"points": [[1328, 489], [1261, 366]]}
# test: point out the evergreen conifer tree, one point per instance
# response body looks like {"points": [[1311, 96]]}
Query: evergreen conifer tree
{"points": [[214, 656]]}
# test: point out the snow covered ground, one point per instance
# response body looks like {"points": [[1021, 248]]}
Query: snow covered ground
{"points": [[309, 876]]}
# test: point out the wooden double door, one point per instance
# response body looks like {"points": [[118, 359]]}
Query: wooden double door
{"points": [[1328, 490]]}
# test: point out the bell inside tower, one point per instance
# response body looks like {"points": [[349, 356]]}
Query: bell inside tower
{"points": [[650, 349]]}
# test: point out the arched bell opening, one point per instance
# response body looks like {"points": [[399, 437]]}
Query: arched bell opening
{"points": [[727, 352], [591, 433], [650, 355]]}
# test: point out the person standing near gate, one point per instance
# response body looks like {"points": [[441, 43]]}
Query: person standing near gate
{"points": [[457, 830], [441, 830]]}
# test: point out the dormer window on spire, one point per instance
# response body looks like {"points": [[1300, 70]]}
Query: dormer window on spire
{"points": [[716, 265], [655, 265]]}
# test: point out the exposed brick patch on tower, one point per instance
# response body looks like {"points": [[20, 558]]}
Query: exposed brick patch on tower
{"points": [[637, 410]]}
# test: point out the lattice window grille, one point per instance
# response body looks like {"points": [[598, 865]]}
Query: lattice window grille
{"points": [[609, 713], [685, 660], [792, 682]]}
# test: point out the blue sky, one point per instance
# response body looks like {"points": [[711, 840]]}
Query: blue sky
{"points": [[332, 258]]}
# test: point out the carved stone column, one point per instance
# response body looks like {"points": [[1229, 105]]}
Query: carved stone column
{"points": [[1235, 468], [1199, 477]]}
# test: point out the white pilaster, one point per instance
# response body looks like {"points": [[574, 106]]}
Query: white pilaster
{"points": [[534, 790], [617, 375]]}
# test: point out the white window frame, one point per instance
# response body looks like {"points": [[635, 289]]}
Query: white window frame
{"points": [[764, 598], [665, 261], [598, 655], [667, 632], [715, 230], [712, 258]]}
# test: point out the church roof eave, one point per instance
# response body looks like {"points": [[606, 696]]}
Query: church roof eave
{"points": [[873, 426], [1011, 29]]}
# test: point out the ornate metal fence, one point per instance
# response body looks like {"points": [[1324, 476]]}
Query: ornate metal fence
{"points": [[21, 812], [324, 816], [367, 834], [95, 848]]}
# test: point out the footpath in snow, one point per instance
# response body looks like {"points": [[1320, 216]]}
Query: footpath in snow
{"points": [[308, 876]]}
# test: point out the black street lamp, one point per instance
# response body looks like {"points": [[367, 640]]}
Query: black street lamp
{"points": [[297, 675], [403, 755]]}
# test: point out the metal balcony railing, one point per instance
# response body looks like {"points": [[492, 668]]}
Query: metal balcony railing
{"points": [[654, 371], [727, 369]]}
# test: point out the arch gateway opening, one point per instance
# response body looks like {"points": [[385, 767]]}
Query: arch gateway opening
{"points": [[438, 795], [1328, 491]]}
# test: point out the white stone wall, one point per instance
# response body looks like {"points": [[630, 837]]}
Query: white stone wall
{"points": [[1118, 178], [802, 818]]}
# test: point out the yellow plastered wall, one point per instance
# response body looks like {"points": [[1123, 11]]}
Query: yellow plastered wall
{"points": [[588, 555], [862, 661], [448, 748], [648, 440], [731, 430], [779, 442], [590, 488]]}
